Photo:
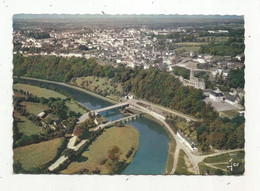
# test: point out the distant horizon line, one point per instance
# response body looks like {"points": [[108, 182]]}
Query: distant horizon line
{"points": [[97, 15]]}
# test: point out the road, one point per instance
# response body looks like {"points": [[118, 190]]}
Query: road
{"points": [[194, 159], [157, 107]]}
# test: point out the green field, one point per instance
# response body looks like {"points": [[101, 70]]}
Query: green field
{"points": [[26, 126], [230, 113], [75, 108], [217, 38], [34, 108], [187, 49], [184, 167], [36, 155], [214, 165], [100, 85], [206, 170], [43, 92], [40, 92], [97, 152], [225, 157]]}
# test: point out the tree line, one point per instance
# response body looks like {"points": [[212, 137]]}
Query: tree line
{"points": [[154, 85]]}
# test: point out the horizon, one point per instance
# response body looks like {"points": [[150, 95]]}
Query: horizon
{"points": [[130, 16]]}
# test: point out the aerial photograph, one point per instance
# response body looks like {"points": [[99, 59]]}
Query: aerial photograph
{"points": [[128, 94]]}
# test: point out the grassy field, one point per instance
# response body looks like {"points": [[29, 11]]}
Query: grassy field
{"points": [[220, 162], [187, 49], [26, 126], [43, 92], [75, 108], [34, 108], [191, 44], [100, 85], [206, 170], [170, 160], [184, 167], [225, 157], [182, 125], [40, 92], [97, 153], [230, 113], [217, 38], [36, 155]]}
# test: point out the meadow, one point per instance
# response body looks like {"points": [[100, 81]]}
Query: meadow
{"points": [[36, 155], [97, 154]]}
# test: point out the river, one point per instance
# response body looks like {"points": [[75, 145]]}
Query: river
{"points": [[151, 157]]}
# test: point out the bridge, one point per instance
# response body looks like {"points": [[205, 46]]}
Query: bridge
{"points": [[85, 116], [124, 104], [122, 120]]}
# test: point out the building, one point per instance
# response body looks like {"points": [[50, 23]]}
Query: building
{"points": [[231, 100], [216, 95], [98, 121], [198, 83], [41, 115], [184, 139]]}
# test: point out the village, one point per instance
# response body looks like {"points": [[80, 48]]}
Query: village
{"points": [[142, 46]]}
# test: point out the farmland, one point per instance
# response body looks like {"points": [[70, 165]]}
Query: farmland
{"points": [[40, 92], [100, 85], [46, 93], [218, 164], [34, 108], [97, 155], [26, 126], [36, 155]]}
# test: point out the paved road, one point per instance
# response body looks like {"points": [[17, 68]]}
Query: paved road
{"points": [[194, 159], [156, 107], [179, 145], [176, 157], [112, 107]]}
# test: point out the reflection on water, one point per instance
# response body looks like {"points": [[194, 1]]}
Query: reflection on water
{"points": [[151, 157]]}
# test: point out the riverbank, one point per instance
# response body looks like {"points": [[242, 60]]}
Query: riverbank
{"points": [[121, 145], [71, 86], [147, 128]]}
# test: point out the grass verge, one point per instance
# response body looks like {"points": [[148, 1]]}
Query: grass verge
{"points": [[183, 166], [36, 155]]}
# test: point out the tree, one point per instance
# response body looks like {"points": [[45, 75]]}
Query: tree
{"points": [[60, 109], [114, 153]]}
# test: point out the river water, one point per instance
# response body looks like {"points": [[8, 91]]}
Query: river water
{"points": [[151, 157]]}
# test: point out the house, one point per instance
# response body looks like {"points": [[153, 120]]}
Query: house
{"points": [[241, 113], [216, 95], [184, 139], [41, 115], [231, 100], [98, 121], [129, 97]]}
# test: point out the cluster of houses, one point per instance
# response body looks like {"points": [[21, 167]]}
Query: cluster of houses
{"points": [[56, 124], [232, 97], [187, 141]]}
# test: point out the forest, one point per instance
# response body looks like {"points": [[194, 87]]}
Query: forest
{"points": [[152, 84]]}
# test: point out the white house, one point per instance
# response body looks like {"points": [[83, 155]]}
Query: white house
{"points": [[184, 139], [216, 95], [41, 115], [231, 100]]}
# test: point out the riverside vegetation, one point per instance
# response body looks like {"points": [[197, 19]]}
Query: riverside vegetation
{"points": [[152, 84]]}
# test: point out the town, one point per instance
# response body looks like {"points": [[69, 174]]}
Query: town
{"points": [[202, 60], [146, 47]]}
